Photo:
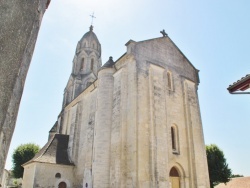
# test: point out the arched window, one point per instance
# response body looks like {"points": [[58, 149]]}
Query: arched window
{"points": [[62, 185], [169, 77], [174, 139], [82, 64], [92, 64]]}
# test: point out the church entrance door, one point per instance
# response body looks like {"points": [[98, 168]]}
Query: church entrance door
{"points": [[175, 182], [62, 185], [174, 178]]}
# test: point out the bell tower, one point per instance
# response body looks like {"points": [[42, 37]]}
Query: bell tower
{"points": [[86, 64]]}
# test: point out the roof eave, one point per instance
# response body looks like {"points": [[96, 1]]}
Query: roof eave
{"points": [[241, 85]]}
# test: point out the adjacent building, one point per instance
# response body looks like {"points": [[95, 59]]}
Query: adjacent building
{"points": [[240, 86]]}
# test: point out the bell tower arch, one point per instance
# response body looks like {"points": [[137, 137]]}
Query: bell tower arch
{"points": [[86, 64]]}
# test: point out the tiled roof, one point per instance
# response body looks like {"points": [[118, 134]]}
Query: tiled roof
{"points": [[241, 84], [241, 182], [55, 151]]}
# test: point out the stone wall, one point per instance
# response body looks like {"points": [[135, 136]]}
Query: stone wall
{"points": [[19, 25], [5, 178], [101, 153], [159, 108], [120, 126], [79, 119]]}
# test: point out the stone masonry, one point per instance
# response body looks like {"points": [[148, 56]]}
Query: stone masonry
{"points": [[19, 25], [138, 124]]}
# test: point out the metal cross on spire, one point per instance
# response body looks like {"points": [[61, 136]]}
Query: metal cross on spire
{"points": [[92, 16]]}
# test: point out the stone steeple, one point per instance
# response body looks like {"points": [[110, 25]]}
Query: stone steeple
{"points": [[86, 63]]}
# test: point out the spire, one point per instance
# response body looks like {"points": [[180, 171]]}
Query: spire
{"points": [[86, 64], [109, 63]]}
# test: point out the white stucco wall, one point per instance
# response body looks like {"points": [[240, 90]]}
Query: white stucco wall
{"points": [[43, 175]]}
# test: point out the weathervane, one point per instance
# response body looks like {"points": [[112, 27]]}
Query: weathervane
{"points": [[92, 16]]}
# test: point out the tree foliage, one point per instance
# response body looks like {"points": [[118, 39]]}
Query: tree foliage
{"points": [[219, 172], [21, 155], [236, 176]]}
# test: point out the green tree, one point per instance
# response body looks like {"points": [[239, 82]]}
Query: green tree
{"points": [[219, 172], [236, 176], [21, 155]]}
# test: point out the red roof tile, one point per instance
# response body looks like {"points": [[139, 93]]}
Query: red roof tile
{"points": [[242, 84]]}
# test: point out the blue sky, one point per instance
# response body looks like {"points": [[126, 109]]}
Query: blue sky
{"points": [[214, 36]]}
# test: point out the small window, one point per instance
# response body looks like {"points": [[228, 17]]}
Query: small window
{"points": [[58, 175], [82, 64], [169, 77], [174, 139], [92, 64]]}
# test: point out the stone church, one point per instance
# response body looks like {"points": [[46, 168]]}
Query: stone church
{"points": [[134, 122]]}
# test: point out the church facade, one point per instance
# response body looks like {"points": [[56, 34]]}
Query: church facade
{"points": [[130, 123]]}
